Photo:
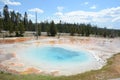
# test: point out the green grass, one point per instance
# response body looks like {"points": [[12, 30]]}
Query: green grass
{"points": [[105, 73]]}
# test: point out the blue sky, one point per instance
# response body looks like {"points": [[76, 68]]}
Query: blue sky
{"points": [[104, 13]]}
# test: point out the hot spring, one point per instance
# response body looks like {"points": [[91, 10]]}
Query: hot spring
{"points": [[55, 55], [63, 56], [55, 58]]}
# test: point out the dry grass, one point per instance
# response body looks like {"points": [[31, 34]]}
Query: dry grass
{"points": [[111, 70]]}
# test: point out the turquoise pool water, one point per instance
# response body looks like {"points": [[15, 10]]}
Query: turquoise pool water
{"points": [[64, 59], [54, 55]]}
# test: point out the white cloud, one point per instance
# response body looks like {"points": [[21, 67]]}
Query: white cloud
{"points": [[58, 13], [93, 7], [116, 19], [36, 10], [60, 8], [86, 3], [9, 2], [102, 16], [31, 15]]}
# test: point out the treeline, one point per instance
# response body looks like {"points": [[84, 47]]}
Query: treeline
{"points": [[81, 29], [14, 22]]}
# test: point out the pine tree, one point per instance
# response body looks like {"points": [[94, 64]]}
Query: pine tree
{"points": [[53, 29], [72, 31], [48, 31], [26, 21], [10, 27], [11, 23], [1, 22], [42, 26], [39, 29], [13, 18], [19, 26], [87, 30], [30, 26], [78, 30], [6, 17], [21, 29], [16, 32]]}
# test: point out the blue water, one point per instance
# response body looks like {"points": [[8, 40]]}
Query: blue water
{"points": [[55, 55]]}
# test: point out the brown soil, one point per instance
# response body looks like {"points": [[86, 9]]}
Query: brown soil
{"points": [[10, 41]]}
